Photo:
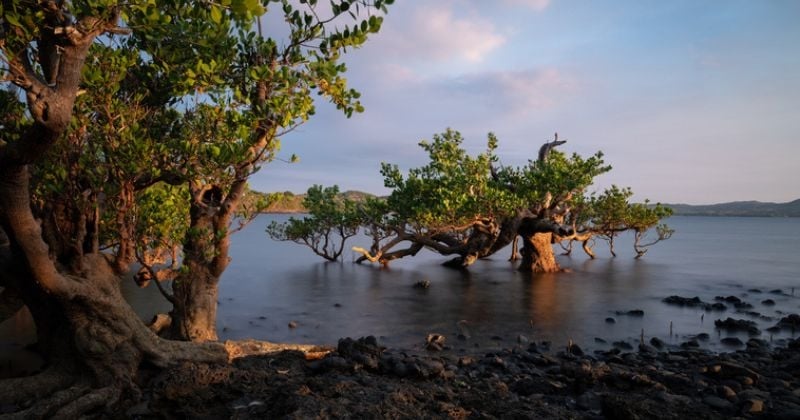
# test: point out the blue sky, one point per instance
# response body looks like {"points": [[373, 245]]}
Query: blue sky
{"points": [[691, 101]]}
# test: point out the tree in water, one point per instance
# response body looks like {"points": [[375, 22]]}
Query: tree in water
{"points": [[238, 87], [333, 219], [463, 206]]}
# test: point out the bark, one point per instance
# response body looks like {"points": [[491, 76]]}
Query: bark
{"points": [[537, 254], [194, 311], [92, 340], [537, 245]]}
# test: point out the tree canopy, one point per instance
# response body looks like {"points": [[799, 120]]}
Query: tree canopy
{"points": [[468, 207], [129, 131]]}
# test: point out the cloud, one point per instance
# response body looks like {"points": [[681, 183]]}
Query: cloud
{"points": [[434, 32], [537, 5], [513, 92]]}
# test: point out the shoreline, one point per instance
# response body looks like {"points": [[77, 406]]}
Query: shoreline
{"points": [[362, 379]]}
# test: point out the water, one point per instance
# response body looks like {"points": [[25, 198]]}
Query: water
{"points": [[270, 284]]}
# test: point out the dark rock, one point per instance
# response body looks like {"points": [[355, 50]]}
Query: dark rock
{"points": [[575, 349], [292, 324], [657, 343], [737, 325], [776, 291], [434, 342], [729, 299], [754, 290], [753, 406], [717, 402], [632, 312], [496, 338], [690, 344], [702, 337], [521, 339], [768, 302], [610, 320], [622, 345], [600, 340], [742, 305], [646, 348], [732, 341], [789, 322], [683, 301], [589, 401], [337, 305], [757, 343], [422, 284], [717, 306]]}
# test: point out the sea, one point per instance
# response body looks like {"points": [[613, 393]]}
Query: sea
{"points": [[282, 292]]}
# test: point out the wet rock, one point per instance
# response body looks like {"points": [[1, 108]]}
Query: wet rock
{"points": [[729, 299], [776, 291], [648, 349], [757, 343], [754, 290], [768, 302], [422, 284], [742, 305], [737, 325], [726, 392], [599, 340], [337, 305], [789, 322], [632, 312], [702, 337], [574, 349], [521, 339], [610, 320], [434, 342], [589, 401], [717, 306], [732, 341], [753, 406], [622, 345], [683, 301], [717, 402], [292, 324], [691, 344], [657, 343]]}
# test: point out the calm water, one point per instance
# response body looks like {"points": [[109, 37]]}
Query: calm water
{"points": [[270, 284]]}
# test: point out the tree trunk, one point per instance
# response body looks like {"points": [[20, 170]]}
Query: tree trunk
{"points": [[537, 254], [537, 245], [92, 339], [194, 312]]}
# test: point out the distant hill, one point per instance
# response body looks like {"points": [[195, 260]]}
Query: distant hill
{"points": [[740, 208], [288, 202]]}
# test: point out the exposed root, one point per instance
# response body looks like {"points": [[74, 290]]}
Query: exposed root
{"points": [[97, 398], [16, 390], [237, 349]]}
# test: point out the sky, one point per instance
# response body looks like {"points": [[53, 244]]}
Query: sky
{"points": [[690, 101]]}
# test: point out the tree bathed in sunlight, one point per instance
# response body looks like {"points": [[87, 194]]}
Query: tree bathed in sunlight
{"points": [[463, 206], [129, 131]]}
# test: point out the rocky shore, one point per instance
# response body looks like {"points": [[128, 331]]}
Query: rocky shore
{"points": [[361, 379]]}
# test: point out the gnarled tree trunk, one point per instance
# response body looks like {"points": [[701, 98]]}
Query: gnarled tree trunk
{"points": [[537, 245]]}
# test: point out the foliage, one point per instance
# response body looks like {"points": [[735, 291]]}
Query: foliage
{"points": [[332, 219], [458, 204]]}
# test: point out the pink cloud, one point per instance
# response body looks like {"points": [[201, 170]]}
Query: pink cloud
{"points": [[537, 5], [434, 32]]}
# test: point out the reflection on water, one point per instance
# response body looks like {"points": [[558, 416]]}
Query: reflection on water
{"points": [[270, 284]]}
